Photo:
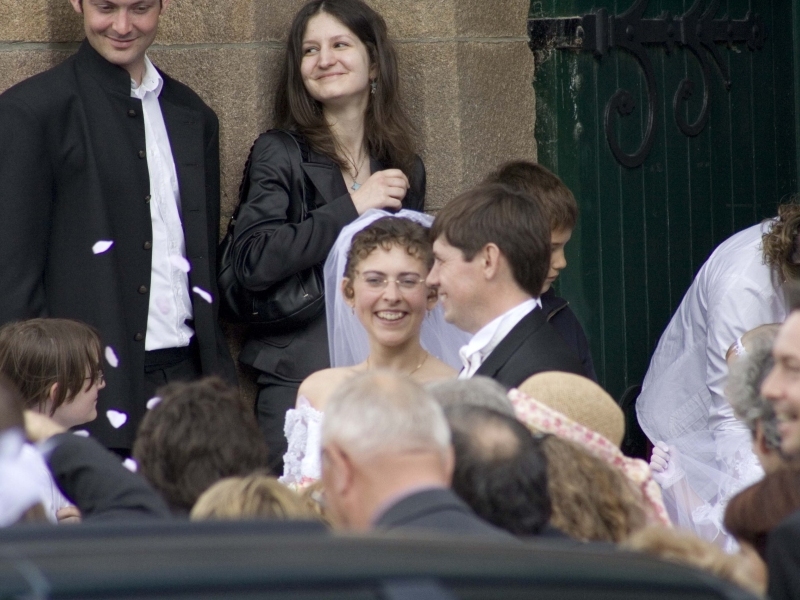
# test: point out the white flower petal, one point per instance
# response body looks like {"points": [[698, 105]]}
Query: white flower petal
{"points": [[203, 294], [163, 305], [111, 357], [153, 402], [116, 418], [102, 246], [81, 433], [180, 263], [130, 464]]}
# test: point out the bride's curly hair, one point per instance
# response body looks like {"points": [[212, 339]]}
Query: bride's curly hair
{"points": [[781, 244], [385, 233]]}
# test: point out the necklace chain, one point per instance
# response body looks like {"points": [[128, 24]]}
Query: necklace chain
{"points": [[356, 168], [415, 369]]}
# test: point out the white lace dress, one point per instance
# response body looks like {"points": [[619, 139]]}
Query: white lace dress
{"points": [[303, 428]]}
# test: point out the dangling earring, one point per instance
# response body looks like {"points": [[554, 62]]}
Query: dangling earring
{"points": [[373, 85]]}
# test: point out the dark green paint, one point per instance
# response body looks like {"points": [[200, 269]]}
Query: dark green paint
{"points": [[644, 232]]}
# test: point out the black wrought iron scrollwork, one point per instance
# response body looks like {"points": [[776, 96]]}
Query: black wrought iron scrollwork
{"points": [[696, 30]]}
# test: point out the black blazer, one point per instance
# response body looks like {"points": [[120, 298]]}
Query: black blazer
{"points": [[73, 172], [533, 346], [269, 247], [783, 559], [439, 510], [97, 483]]}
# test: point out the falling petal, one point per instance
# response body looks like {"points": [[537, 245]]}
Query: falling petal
{"points": [[116, 418], [153, 402], [180, 263], [130, 464], [203, 294], [111, 357], [102, 246], [81, 433], [163, 305]]}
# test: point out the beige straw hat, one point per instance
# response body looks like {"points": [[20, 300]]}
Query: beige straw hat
{"points": [[580, 399]]}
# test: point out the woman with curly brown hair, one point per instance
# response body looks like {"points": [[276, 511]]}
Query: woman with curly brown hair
{"points": [[703, 454]]}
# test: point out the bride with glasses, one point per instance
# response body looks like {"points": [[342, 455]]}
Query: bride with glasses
{"points": [[382, 316]]}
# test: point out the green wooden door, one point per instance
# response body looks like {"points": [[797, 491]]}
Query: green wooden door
{"points": [[646, 228]]}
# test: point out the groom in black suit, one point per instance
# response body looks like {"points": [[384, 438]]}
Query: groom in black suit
{"points": [[492, 253]]}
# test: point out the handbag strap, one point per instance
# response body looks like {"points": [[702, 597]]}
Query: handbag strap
{"points": [[244, 185]]}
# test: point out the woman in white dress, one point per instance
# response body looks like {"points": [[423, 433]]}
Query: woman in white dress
{"points": [[376, 320]]}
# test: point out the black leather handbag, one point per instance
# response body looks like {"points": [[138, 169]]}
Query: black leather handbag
{"points": [[287, 303]]}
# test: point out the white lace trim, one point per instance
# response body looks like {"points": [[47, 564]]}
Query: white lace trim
{"points": [[303, 428]]}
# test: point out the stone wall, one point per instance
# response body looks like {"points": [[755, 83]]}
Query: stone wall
{"points": [[465, 67]]}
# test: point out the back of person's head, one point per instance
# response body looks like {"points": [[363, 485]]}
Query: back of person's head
{"points": [[38, 354], [496, 214], [475, 391], [382, 411], [500, 469], [579, 398], [199, 433], [255, 496], [755, 511], [686, 548], [541, 184], [781, 243], [743, 390], [591, 499]]}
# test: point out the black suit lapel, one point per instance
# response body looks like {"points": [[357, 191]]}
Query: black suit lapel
{"points": [[325, 176], [528, 326], [188, 151]]}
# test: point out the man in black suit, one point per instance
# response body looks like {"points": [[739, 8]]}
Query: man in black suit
{"points": [[109, 181], [492, 254], [387, 460]]}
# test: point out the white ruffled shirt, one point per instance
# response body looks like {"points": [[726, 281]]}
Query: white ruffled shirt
{"points": [[170, 305]]}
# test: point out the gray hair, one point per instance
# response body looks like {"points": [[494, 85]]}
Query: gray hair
{"points": [[477, 391], [744, 388], [384, 410]]}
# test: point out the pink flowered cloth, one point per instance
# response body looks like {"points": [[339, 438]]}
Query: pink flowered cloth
{"points": [[542, 418]]}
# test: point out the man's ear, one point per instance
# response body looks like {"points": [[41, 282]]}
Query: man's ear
{"points": [[341, 469], [449, 464], [164, 4], [491, 256], [77, 6]]}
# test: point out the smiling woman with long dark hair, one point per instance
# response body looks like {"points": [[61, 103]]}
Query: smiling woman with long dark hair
{"points": [[345, 145]]}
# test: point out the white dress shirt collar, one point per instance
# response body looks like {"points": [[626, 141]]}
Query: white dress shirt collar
{"points": [[490, 335]]}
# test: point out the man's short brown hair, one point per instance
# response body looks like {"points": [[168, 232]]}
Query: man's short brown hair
{"points": [[199, 433], [37, 353], [512, 220], [542, 185]]}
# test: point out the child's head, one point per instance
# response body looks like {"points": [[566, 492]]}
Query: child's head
{"points": [[55, 363], [554, 198]]}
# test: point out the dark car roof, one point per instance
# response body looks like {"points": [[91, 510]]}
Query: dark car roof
{"points": [[297, 561]]}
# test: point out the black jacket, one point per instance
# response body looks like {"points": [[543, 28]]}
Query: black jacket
{"points": [[560, 316], [783, 559], [269, 247], [439, 510], [73, 172], [533, 346], [95, 481]]}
